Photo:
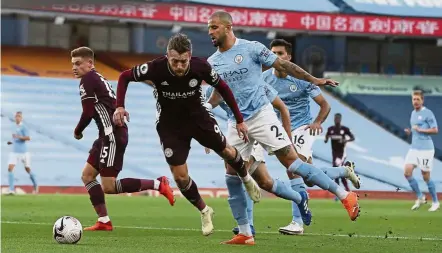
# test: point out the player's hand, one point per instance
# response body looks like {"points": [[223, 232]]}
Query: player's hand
{"points": [[9, 142], [407, 131], [315, 128], [242, 130], [78, 136], [416, 128], [119, 115], [207, 150], [325, 82]]}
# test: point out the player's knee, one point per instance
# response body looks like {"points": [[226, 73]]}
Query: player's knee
{"points": [[11, 168], [182, 181], [87, 178], [28, 170], [229, 153], [109, 188]]}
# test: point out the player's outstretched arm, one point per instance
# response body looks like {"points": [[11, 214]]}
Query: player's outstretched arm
{"points": [[296, 71], [315, 127], [86, 117], [226, 93], [279, 105], [123, 82]]}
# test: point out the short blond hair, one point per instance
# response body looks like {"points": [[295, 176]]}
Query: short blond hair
{"points": [[418, 93], [83, 52]]}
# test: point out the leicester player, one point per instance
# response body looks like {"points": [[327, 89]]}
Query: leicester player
{"points": [[181, 116], [107, 152]]}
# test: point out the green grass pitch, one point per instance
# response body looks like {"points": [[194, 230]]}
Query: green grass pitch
{"points": [[144, 224]]}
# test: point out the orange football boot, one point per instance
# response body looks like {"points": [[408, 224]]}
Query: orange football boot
{"points": [[351, 204], [241, 240], [100, 226], [165, 190]]}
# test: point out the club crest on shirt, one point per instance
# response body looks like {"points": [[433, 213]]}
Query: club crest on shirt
{"points": [[293, 88], [168, 152], [193, 83], [82, 91], [239, 58]]}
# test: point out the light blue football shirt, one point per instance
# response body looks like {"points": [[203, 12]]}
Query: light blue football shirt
{"points": [[241, 68], [19, 146], [424, 119], [270, 93], [295, 94]]}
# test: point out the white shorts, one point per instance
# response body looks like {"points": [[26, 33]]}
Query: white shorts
{"points": [[25, 158], [303, 141], [422, 159], [265, 128]]}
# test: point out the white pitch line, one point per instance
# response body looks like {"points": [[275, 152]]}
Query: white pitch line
{"points": [[260, 232]]}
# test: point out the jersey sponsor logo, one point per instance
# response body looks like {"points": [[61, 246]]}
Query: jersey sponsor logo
{"points": [[235, 75], [293, 88], [168, 152], [82, 91], [238, 58], [193, 83], [178, 95], [165, 83]]}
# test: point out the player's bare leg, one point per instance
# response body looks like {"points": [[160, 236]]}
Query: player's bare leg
{"points": [[289, 158], [189, 189], [238, 167]]}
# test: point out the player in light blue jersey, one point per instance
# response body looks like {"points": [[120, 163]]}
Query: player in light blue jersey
{"points": [[239, 63], [421, 153], [258, 170], [20, 152], [296, 95]]}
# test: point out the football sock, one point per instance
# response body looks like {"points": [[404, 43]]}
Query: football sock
{"points": [[335, 172], [135, 185], [238, 202], [34, 181], [11, 181], [317, 177], [249, 208], [298, 185], [97, 197], [284, 191], [432, 190], [192, 195], [414, 186], [238, 165]]}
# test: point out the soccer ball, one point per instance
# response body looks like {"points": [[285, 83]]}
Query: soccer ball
{"points": [[67, 230]]}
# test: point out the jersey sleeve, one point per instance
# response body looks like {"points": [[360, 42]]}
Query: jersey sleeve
{"points": [[271, 93], [143, 72], [312, 90], [348, 132], [208, 74], [87, 89], [25, 131], [431, 120], [262, 54]]}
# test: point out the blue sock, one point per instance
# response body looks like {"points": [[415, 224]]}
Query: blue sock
{"points": [[34, 182], [432, 190], [237, 199], [249, 208], [312, 174], [335, 172], [414, 186], [283, 191], [11, 180], [298, 185]]}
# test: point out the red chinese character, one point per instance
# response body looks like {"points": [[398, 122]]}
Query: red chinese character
{"points": [[190, 13], [176, 12], [239, 18], [427, 27], [323, 22], [307, 21], [357, 24], [257, 18], [379, 26], [403, 26], [277, 19]]}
